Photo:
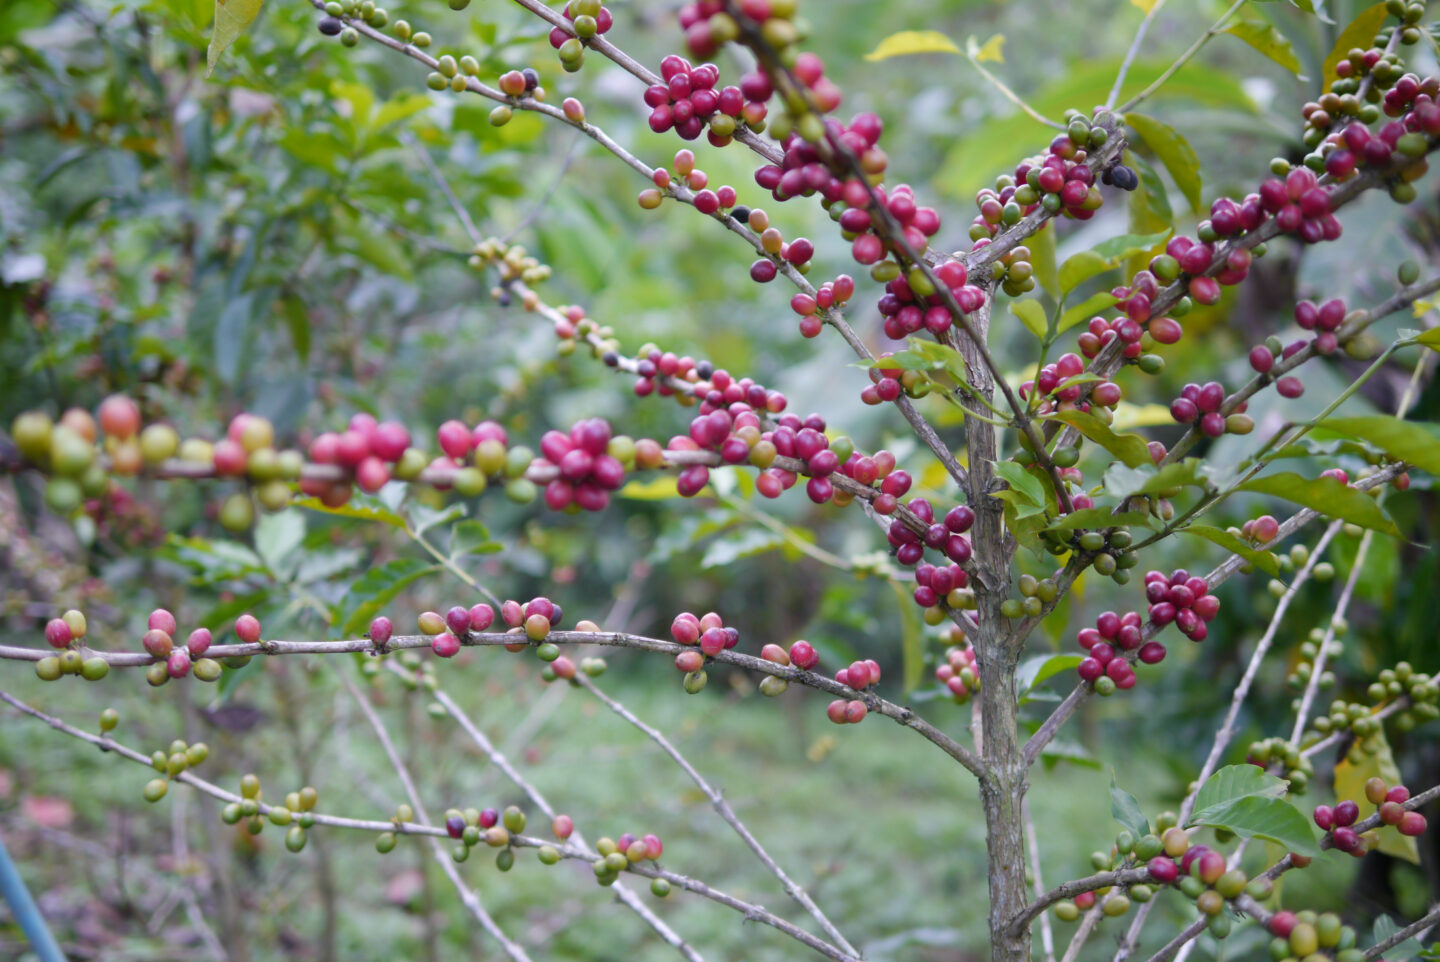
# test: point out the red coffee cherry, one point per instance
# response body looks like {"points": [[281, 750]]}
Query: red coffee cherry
{"points": [[58, 633], [162, 620], [1163, 869], [1412, 824], [803, 655], [247, 629]]}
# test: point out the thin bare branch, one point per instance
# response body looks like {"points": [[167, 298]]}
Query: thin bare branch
{"points": [[467, 894], [723, 809]]}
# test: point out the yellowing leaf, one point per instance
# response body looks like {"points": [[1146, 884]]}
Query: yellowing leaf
{"points": [[1266, 39], [231, 19], [1421, 307], [1140, 416], [912, 41], [1145, 5], [1360, 33], [1173, 151], [657, 489], [991, 50]]}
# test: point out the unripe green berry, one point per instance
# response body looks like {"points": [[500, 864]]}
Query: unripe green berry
{"points": [[155, 789]]}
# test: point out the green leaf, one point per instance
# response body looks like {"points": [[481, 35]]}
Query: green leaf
{"points": [[1085, 310], [399, 108], [1260, 558], [1172, 150], [1039, 669], [1430, 338], [1022, 482], [276, 538], [423, 517], [738, 544], [1122, 481], [472, 537], [366, 508], [1258, 816], [1408, 441], [1032, 315], [231, 335], [214, 561], [1269, 41], [1385, 927], [232, 17], [1126, 810], [1129, 448], [1042, 258], [1116, 249], [1079, 268], [297, 319], [912, 640], [322, 150], [1327, 496], [1103, 256], [1237, 781], [373, 590], [942, 355], [1360, 33], [1149, 205], [912, 41], [1059, 751], [1098, 518]]}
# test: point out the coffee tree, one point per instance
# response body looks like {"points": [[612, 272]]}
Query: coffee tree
{"points": [[1043, 469]]}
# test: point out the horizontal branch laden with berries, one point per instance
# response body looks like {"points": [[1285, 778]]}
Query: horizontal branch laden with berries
{"points": [[1011, 484]]}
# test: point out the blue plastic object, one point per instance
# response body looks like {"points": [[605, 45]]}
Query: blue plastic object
{"points": [[27, 913]]}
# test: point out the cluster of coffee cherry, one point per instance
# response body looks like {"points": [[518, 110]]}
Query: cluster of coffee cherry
{"points": [[688, 100], [179, 757], [1199, 872], [1200, 404], [1311, 935], [1182, 598], [296, 815], [910, 305], [946, 536], [470, 827], [859, 676], [588, 19], [1337, 821], [958, 673], [710, 636], [1059, 181], [940, 583], [1104, 666], [828, 295]]}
